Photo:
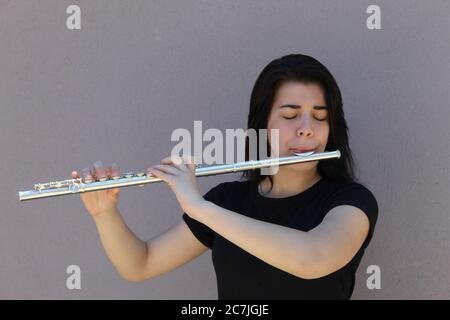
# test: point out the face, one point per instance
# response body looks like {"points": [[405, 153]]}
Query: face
{"points": [[299, 113]]}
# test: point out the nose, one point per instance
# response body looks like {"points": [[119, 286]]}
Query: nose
{"points": [[305, 127]]}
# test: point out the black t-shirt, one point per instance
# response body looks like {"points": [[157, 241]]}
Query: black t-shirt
{"points": [[241, 275]]}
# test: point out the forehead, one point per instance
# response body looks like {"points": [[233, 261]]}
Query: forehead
{"points": [[300, 93]]}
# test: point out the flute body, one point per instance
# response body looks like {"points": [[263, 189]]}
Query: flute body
{"points": [[73, 186]]}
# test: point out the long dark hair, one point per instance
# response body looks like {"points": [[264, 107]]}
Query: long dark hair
{"points": [[301, 68]]}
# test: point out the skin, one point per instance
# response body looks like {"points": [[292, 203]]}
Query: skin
{"points": [[298, 122], [309, 255]]}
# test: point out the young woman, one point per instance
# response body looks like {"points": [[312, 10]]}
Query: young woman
{"points": [[297, 234]]}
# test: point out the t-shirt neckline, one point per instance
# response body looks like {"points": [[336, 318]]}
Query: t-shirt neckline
{"points": [[297, 195]]}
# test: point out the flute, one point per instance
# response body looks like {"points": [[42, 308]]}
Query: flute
{"points": [[73, 186]]}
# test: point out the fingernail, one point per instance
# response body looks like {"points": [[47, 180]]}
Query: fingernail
{"points": [[87, 174]]}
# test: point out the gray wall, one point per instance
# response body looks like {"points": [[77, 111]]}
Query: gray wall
{"points": [[137, 70]]}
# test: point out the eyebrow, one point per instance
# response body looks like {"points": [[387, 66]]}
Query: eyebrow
{"points": [[296, 106]]}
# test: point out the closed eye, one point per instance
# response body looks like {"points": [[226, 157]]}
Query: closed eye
{"points": [[295, 117]]}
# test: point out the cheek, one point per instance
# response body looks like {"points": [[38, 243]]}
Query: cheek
{"points": [[271, 126], [323, 135], [285, 134], [325, 132]]}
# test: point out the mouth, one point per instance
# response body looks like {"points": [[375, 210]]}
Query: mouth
{"points": [[303, 151]]}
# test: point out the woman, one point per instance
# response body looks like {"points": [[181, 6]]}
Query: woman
{"points": [[297, 234]]}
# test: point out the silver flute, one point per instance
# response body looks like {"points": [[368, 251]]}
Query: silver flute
{"points": [[78, 185]]}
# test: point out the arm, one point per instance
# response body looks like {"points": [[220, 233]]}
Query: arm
{"points": [[319, 252], [136, 260], [308, 255]]}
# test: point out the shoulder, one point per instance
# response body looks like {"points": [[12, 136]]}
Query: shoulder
{"points": [[227, 191], [353, 194], [350, 192], [231, 185]]}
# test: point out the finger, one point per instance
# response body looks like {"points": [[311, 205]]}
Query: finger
{"points": [[189, 161], [177, 163], [87, 175], [115, 170], [187, 158], [169, 169], [176, 159], [93, 173], [160, 174], [167, 160], [186, 166], [181, 162], [108, 172], [100, 172]]}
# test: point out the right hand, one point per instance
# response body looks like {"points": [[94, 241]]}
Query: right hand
{"points": [[102, 201]]}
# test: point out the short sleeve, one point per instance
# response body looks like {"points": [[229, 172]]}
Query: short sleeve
{"points": [[203, 233], [358, 196]]}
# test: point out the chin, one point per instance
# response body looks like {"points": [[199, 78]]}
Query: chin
{"points": [[303, 167]]}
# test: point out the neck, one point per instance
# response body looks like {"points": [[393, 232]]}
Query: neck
{"points": [[288, 182]]}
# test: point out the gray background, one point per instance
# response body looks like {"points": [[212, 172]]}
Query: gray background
{"points": [[137, 70]]}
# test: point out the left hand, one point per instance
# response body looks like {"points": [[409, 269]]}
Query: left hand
{"points": [[179, 174]]}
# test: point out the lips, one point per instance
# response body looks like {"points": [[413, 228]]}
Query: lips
{"points": [[302, 149]]}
